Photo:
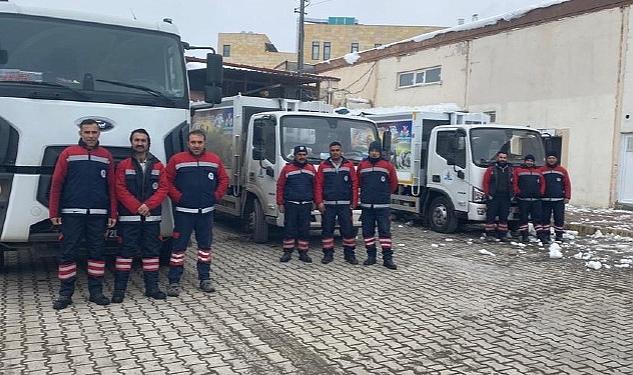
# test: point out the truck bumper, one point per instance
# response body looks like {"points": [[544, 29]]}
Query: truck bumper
{"points": [[477, 212]]}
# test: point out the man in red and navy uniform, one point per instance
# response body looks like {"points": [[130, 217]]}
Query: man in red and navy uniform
{"points": [[336, 194], [83, 201], [295, 195], [529, 187], [497, 186], [141, 187], [198, 180], [378, 179], [557, 194]]}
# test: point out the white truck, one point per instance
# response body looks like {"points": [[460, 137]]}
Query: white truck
{"points": [[255, 137], [60, 67], [441, 158]]}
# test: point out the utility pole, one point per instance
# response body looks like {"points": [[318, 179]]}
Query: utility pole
{"points": [[300, 37]]}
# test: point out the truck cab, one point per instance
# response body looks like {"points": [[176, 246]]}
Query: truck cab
{"points": [[458, 156]]}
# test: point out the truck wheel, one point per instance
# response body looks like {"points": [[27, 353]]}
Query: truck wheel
{"points": [[441, 216], [258, 223]]}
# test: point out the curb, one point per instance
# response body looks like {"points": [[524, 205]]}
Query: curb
{"points": [[591, 229]]}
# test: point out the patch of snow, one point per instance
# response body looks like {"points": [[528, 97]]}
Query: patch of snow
{"points": [[486, 252], [555, 251], [448, 239], [597, 234], [400, 226], [401, 244], [578, 255], [622, 265], [351, 58], [441, 107], [435, 245], [594, 264], [193, 65], [626, 261]]}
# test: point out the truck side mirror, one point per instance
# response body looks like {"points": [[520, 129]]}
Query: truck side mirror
{"points": [[214, 78], [258, 139], [386, 142]]}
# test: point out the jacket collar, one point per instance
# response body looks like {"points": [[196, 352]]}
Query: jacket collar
{"points": [[84, 145]]}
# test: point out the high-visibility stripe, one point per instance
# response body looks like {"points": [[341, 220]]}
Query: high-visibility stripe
{"points": [[289, 244], [204, 256], [337, 202], [77, 158], [291, 173], [303, 245], [552, 199], [151, 264], [208, 164], [368, 205], [187, 164], [177, 259], [528, 199], [100, 159], [327, 243], [374, 169], [123, 264], [130, 171], [349, 241], [155, 172], [84, 211], [96, 267], [555, 172], [127, 218], [66, 271], [195, 210], [299, 202]]}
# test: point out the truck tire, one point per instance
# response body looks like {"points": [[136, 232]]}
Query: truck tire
{"points": [[441, 216], [258, 223]]}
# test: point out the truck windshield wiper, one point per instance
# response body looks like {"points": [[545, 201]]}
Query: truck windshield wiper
{"points": [[51, 84], [153, 92]]}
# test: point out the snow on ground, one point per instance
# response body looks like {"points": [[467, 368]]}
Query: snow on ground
{"points": [[600, 217]]}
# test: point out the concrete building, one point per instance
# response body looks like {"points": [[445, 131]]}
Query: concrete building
{"points": [[566, 68], [324, 39], [252, 49]]}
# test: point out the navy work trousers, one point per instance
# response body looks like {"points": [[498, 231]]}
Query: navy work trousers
{"points": [[185, 225]]}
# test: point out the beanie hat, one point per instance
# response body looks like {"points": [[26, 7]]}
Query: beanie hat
{"points": [[299, 149], [529, 157], [552, 153], [375, 145]]}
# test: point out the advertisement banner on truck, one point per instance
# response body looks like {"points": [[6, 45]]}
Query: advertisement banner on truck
{"points": [[217, 123], [401, 139]]}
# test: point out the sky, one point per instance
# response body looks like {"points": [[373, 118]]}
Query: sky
{"points": [[199, 21]]}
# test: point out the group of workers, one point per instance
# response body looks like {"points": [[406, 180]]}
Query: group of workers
{"points": [[539, 192], [89, 194]]}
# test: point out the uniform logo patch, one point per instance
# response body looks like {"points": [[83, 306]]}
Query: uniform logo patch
{"points": [[155, 185], [383, 179], [558, 179], [345, 178], [103, 173], [211, 177]]}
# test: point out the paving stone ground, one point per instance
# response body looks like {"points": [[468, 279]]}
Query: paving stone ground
{"points": [[446, 310]]}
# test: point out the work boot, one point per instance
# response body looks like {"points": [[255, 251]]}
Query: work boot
{"points": [[304, 257], [559, 237], [62, 302], [99, 299], [117, 296], [525, 238], [545, 239], [328, 256], [351, 259], [206, 286], [155, 294], [490, 237], [173, 290], [387, 259], [371, 257], [286, 257]]}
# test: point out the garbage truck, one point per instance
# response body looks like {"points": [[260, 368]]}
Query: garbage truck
{"points": [[255, 137], [58, 68], [441, 157]]}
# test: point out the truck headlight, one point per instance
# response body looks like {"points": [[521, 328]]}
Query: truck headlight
{"points": [[478, 196]]}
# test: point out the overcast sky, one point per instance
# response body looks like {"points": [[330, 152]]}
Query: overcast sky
{"points": [[199, 21]]}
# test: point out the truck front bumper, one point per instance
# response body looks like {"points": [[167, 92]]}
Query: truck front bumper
{"points": [[315, 220], [477, 212]]}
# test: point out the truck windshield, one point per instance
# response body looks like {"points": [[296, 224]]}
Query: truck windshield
{"points": [[316, 133], [486, 142], [52, 58]]}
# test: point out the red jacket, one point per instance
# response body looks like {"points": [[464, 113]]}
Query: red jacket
{"points": [[134, 188], [196, 181], [83, 179], [377, 181], [557, 181], [528, 182], [296, 182], [332, 185]]}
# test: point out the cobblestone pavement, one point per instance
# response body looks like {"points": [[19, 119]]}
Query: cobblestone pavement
{"points": [[447, 310]]}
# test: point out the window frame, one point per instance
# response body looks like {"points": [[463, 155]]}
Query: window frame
{"points": [[327, 46], [419, 72], [355, 47], [226, 48], [316, 47]]}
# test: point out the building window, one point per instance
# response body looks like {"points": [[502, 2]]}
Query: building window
{"points": [[327, 50], [354, 48], [492, 115], [226, 50], [316, 48], [376, 45], [420, 77]]}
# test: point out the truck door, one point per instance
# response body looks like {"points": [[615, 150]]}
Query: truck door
{"points": [[450, 167]]}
